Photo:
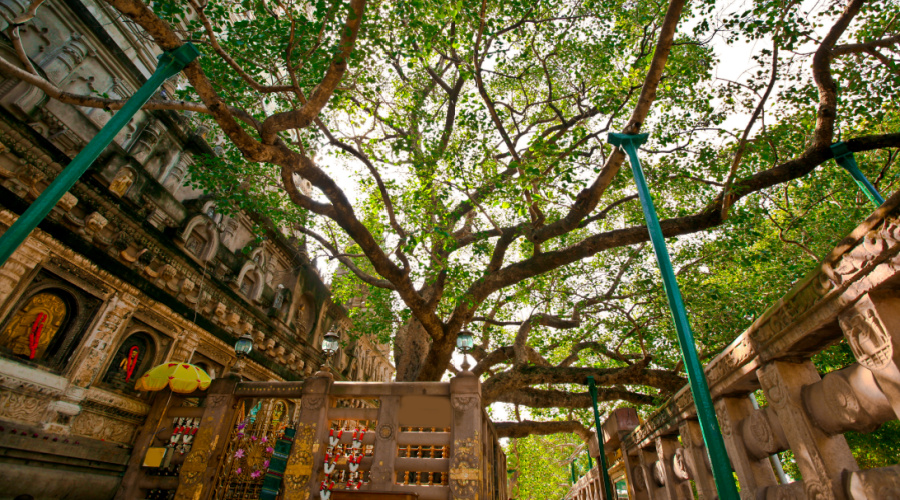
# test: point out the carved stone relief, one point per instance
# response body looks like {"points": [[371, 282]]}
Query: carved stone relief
{"points": [[22, 407], [465, 467], [299, 465], [96, 426], [870, 344]]}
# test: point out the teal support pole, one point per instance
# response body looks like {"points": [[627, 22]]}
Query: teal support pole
{"points": [[590, 462], [170, 64], [709, 425], [572, 468], [844, 157], [604, 468]]}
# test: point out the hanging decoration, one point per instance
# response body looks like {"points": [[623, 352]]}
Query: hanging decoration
{"points": [[183, 432], [129, 362], [34, 337], [334, 453]]}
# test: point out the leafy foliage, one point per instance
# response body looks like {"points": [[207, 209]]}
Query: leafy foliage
{"points": [[451, 157]]}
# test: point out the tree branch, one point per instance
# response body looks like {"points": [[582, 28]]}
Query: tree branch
{"points": [[529, 427]]}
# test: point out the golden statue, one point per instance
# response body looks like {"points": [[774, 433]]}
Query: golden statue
{"points": [[33, 326]]}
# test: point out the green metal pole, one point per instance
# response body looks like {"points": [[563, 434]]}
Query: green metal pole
{"points": [[590, 462], [604, 468], [572, 468], [709, 425], [170, 64], [844, 157]]}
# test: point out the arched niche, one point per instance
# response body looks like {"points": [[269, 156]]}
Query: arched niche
{"points": [[200, 237], [259, 257], [209, 209], [134, 356], [250, 281], [46, 324]]}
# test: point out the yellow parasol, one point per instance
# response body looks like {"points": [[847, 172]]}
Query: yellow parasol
{"points": [[183, 378]]}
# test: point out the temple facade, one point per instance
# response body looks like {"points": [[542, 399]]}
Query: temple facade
{"points": [[133, 267]]}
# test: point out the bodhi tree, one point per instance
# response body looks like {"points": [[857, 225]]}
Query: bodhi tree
{"points": [[451, 157]]}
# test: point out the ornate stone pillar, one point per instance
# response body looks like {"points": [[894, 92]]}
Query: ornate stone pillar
{"points": [[653, 480], [695, 459], [754, 473], [98, 343], [198, 472], [146, 436], [872, 327], [822, 459], [634, 475], [299, 475], [466, 462], [677, 488]]}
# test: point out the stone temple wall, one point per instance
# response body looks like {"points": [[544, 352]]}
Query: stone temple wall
{"points": [[132, 268]]}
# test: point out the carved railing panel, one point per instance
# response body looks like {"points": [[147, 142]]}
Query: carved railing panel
{"points": [[850, 297]]}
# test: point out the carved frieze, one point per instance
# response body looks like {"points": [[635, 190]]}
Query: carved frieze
{"points": [[126, 405], [21, 407], [97, 426]]}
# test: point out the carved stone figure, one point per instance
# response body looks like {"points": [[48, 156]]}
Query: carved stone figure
{"points": [[869, 342], [123, 180]]}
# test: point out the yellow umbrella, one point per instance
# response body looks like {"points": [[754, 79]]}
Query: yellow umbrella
{"points": [[183, 378]]}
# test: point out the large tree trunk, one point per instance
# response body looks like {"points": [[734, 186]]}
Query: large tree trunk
{"points": [[410, 349]]}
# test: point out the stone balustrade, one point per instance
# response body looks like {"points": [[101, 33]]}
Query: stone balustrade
{"points": [[432, 439], [850, 297]]}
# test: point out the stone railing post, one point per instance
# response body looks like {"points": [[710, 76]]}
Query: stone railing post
{"points": [[382, 474], [466, 462], [822, 459], [300, 478], [145, 437], [676, 487], [754, 474], [872, 327], [652, 479], [634, 475], [696, 459], [198, 472]]}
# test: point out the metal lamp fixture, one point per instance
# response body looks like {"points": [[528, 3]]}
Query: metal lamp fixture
{"points": [[465, 342], [243, 346], [329, 346]]}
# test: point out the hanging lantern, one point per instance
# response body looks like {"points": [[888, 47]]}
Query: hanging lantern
{"points": [[330, 343], [244, 345]]}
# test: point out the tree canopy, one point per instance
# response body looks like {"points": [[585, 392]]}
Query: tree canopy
{"points": [[452, 157]]}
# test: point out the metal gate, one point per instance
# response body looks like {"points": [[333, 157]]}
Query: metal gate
{"points": [[260, 422]]}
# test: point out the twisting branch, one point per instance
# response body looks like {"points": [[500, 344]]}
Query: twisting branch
{"points": [[532, 428], [821, 65], [858, 48]]}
